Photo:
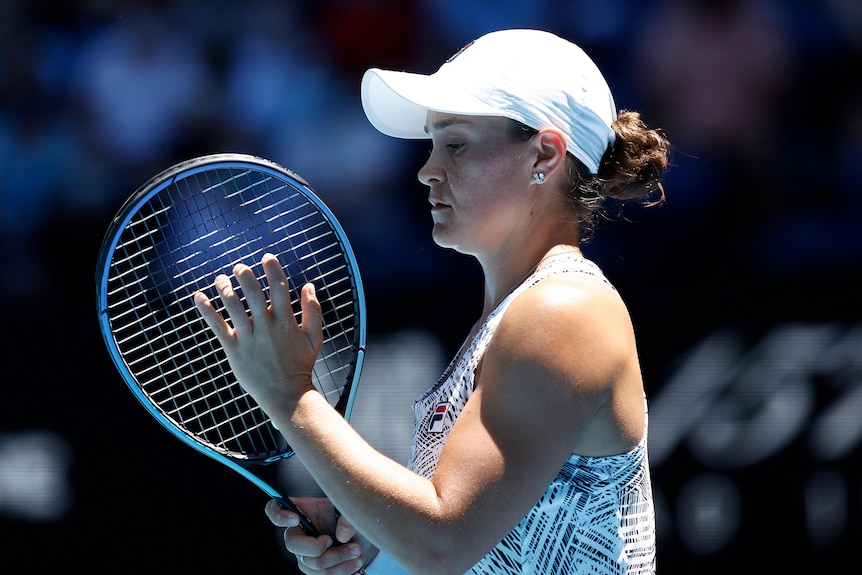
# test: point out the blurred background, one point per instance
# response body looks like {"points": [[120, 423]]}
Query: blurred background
{"points": [[744, 288]]}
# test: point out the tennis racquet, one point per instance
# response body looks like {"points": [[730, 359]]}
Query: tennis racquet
{"points": [[168, 241]]}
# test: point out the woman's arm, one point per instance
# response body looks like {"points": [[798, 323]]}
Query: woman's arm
{"points": [[548, 372]]}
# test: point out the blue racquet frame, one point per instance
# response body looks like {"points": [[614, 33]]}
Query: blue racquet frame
{"points": [[168, 241]]}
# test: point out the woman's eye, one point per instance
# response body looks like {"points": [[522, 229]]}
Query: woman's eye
{"points": [[453, 148]]}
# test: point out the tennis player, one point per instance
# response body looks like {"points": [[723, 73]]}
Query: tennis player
{"points": [[529, 454]]}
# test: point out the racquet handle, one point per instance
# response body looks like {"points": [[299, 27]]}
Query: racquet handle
{"points": [[304, 521]]}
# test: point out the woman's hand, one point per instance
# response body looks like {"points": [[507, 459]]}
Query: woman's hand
{"points": [[320, 555], [271, 355]]}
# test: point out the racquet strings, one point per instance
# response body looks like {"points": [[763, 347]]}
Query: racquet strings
{"points": [[200, 224]]}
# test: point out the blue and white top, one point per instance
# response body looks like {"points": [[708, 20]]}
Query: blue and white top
{"points": [[596, 517]]}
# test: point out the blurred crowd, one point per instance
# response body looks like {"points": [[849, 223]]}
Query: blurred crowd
{"points": [[760, 98], [762, 228]]}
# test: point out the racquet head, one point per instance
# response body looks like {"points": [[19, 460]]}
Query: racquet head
{"points": [[168, 241]]}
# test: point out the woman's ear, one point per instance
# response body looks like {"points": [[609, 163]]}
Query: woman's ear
{"points": [[551, 151]]}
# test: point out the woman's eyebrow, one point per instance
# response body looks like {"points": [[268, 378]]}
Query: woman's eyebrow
{"points": [[445, 123]]}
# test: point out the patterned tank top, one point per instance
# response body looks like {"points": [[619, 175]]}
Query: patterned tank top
{"points": [[596, 517]]}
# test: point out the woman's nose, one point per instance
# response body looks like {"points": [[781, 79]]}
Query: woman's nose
{"points": [[430, 173]]}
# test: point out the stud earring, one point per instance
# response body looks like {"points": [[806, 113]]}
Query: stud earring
{"points": [[539, 177]]}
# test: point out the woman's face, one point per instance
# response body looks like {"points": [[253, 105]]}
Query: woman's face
{"points": [[479, 179]]}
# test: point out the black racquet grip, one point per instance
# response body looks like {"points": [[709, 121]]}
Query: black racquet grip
{"points": [[304, 521]]}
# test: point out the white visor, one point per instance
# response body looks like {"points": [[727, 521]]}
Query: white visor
{"points": [[534, 77]]}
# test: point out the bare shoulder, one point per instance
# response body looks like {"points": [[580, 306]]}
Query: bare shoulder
{"points": [[569, 317], [566, 348]]}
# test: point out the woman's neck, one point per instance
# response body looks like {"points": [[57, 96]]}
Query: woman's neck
{"points": [[501, 280]]}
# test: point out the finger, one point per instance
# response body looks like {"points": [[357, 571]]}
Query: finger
{"points": [[279, 288], [341, 558], [299, 542], [312, 316], [280, 516], [251, 288], [233, 305], [211, 317], [344, 530]]}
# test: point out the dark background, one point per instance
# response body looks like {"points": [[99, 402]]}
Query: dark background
{"points": [[744, 288]]}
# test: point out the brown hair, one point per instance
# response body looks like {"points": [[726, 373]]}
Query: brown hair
{"points": [[630, 171]]}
